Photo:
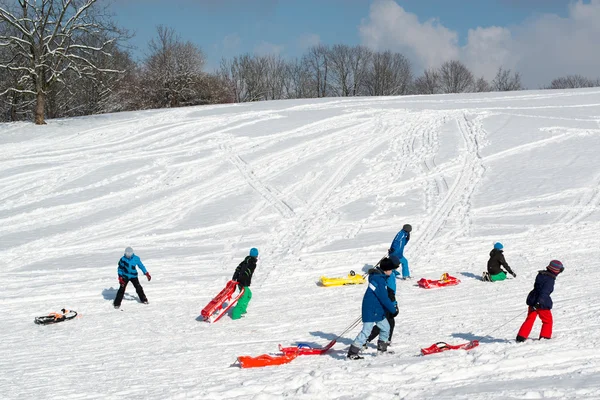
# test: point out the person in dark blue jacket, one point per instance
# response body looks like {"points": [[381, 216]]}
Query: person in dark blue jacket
{"points": [[540, 303], [374, 306], [397, 248], [391, 288], [128, 273]]}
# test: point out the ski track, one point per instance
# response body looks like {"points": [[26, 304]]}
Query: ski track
{"points": [[193, 189]]}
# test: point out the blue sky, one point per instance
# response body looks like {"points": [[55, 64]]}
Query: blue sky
{"points": [[224, 28]]}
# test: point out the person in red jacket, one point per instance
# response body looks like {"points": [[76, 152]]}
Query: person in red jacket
{"points": [[540, 303]]}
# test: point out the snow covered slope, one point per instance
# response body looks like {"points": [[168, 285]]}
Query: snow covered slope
{"points": [[320, 187]]}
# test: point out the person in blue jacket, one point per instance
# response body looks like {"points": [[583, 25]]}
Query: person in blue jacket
{"points": [[397, 249], [374, 306], [540, 302], [391, 288], [128, 273]]}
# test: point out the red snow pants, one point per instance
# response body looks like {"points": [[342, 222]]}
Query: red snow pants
{"points": [[545, 316]]}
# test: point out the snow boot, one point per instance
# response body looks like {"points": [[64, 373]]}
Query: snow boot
{"points": [[117, 307], [353, 353], [521, 339], [486, 277], [381, 346]]}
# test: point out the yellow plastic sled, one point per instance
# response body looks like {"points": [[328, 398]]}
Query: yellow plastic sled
{"points": [[351, 279]]}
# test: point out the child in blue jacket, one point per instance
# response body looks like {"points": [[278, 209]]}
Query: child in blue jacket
{"points": [[391, 288], [397, 248], [540, 302], [374, 306], [128, 273]]}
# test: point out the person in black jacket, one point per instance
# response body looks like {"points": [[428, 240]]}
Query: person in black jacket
{"points": [[243, 276], [540, 303], [495, 264]]}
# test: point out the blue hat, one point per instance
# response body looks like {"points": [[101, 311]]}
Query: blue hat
{"points": [[254, 252], [498, 246]]}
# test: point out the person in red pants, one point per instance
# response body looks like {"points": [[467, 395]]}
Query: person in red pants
{"points": [[540, 303]]}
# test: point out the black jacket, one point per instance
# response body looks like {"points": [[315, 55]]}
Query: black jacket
{"points": [[497, 261], [243, 272]]}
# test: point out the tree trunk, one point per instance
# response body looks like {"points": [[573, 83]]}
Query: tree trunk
{"points": [[39, 108]]}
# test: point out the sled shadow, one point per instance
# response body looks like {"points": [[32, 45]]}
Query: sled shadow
{"points": [[481, 339], [471, 275], [111, 293]]}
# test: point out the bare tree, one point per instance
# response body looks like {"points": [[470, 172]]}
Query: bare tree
{"points": [[317, 63], [359, 68], [573, 82], [389, 74], [455, 77], [481, 85], [297, 81], [52, 40], [428, 83], [505, 82]]}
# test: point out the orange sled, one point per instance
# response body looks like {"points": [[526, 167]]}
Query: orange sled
{"points": [[446, 280], [265, 360]]}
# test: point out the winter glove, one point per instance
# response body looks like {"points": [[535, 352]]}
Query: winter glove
{"points": [[390, 251], [395, 314], [513, 274], [536, 306], [148, 276], [121, 281]]}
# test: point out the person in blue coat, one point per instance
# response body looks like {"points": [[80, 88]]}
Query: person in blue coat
{"points": [[128, 273], [540, 302], [397, 249], [391, 288], [375, 304]]}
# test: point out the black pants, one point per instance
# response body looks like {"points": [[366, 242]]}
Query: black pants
{"points": [[376, 330], [138, 288]]}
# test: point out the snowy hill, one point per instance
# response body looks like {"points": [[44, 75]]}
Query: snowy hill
{"points": [[320, 187]]}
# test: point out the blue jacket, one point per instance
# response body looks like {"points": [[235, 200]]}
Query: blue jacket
{"points": [[376, 301], [127, 267], [397, 247], [542, 288]]}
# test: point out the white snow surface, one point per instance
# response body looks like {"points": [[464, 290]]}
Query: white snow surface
{"points": [[320, 187]]}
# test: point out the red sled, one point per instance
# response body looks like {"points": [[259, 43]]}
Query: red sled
{"points": [[445, 280], [303, 349], [265, 360], [222, 302], [443, 346]]}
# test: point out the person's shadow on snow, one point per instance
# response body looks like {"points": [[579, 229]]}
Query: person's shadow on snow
{"points": [[482, 339], [471, 275], [111, 293]]}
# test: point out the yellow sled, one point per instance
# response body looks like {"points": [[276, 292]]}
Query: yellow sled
{"points": [[351, 279]]}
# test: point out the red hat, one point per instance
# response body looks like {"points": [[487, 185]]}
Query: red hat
{"points": [[555, 267]]}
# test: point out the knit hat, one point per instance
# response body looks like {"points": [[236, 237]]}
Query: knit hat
{"points": [[555, 267], [498, 246], [128, 252], [395, 260], [387, 264], [254, 252], [407, 228]]}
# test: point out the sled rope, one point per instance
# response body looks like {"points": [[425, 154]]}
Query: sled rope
{"points": [[506, 323]]}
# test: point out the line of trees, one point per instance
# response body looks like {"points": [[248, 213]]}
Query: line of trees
{"points": [[63, 58]]}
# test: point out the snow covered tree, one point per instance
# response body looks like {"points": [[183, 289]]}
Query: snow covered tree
{"points": [[51, 39], [481, 85], [505, 82], [172, 70]]}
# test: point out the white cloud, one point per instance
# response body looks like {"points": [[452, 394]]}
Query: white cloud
{"points": [[266, 49], [541, 48]]}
